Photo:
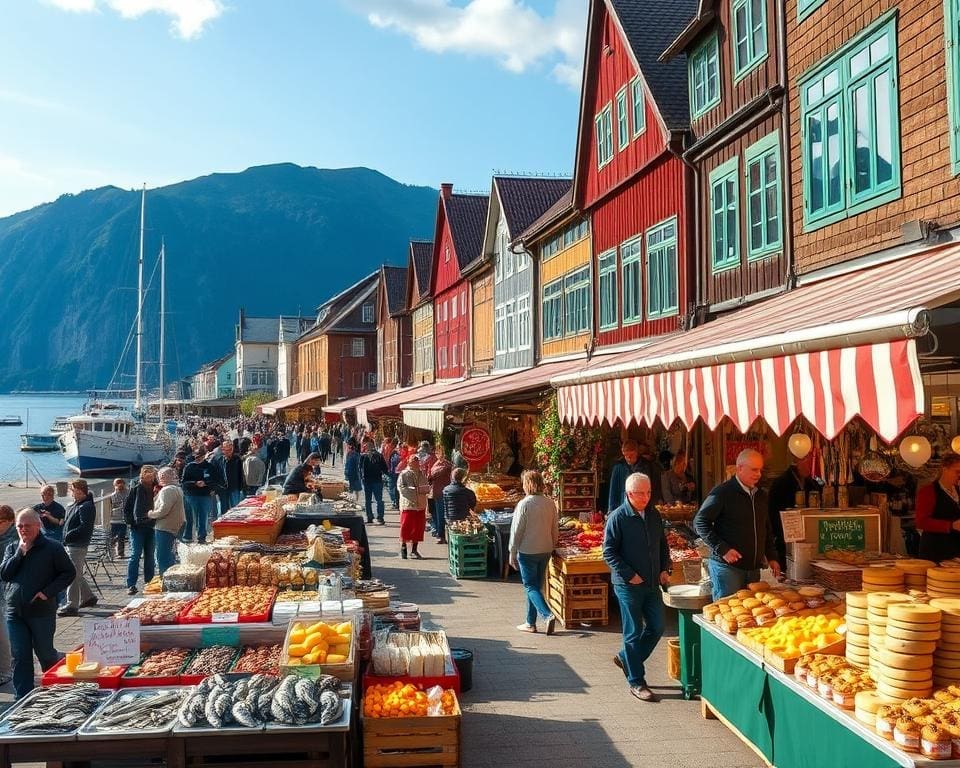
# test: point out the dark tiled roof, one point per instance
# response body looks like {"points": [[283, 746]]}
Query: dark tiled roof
{"points": [[525, 199], [292, 328], [650, 26], [467, 218], [260, 330], [558, 210], [395, 282], [422, 253]]}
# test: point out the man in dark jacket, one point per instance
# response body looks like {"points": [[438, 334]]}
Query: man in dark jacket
{"points": [[458, 501], [783, 495], [77, 532], [734, 523], [636, 550], [631, 463], [372, 470], [230, 467], [34, 570], [199, 481]]}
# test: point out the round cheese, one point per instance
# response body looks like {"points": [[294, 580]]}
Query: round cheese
{"points": [[910, 626], [903, 685], [883, 599], [907, 675], [899, 660], [902, 694], [951, 587], [868, 701], [915, 613], [947, 663], [857, 613], [882, 574], [944, 574], [856, 599], [899, 633], [912, 647], [914, 565], [950, 607], [948, 648]]}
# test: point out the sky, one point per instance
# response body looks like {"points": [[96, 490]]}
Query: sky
{"points": [[126, 92]]}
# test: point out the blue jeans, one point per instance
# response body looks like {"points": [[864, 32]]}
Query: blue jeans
{"points": [[28, 636], [373, 491], [727, 579], [197, 510], [142, 543], [641, 616], [166, 550], [229, 499], [533, 570], [392, 490]]}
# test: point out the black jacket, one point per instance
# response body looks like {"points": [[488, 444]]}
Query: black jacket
{"points": [[139, 502], [45, 568], [373, 467], [730, 519], [294, 482], [78, 525], [458, 502], [281, 451], [231, 472], [200, 470]]}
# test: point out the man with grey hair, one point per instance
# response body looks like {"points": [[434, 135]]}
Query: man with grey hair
{"points": [[51, 513], [34, 570], [636, 550], [734, 523]]}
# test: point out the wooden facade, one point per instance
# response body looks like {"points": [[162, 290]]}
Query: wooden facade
{"points": [[423, 354], [394, 331], [420, 309], [553, 270], [482, 326], [929, 189]]}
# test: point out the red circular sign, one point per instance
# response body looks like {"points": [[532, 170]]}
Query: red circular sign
{"points": [[476, 447]]}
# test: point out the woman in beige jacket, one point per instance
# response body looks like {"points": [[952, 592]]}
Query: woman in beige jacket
{"points": [[412, 486], [169, 514]]}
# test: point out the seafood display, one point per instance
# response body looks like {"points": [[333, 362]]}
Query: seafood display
{"points": [[259, 658], [254, 701], [165, 662], [209, 661], [136, 710], [57, 709]]}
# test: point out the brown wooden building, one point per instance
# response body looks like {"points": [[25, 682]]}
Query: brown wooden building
{"points": [[873, 126], [736, 78], [420, 306], [394, 330]]}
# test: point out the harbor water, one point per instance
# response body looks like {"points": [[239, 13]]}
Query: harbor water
{"points": [[37, 413]]}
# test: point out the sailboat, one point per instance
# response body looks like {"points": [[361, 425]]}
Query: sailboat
{"points": [[111, 440]]}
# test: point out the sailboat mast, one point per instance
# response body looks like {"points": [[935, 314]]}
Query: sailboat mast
{"points": [[163, 295], [137, 404]]}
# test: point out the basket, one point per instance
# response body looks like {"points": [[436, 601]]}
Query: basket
{"points": [[412, 742], [345, 671], [673, 658]]}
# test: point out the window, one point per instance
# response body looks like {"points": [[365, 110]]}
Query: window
{"points": [[523, 322], [705, 76], [662, 293], [523, 260], [463, 302], [499, 333], [604, 137], [453, 308], [553, 310], [368, 312], [623, 120], [446, 253], [850, 128], [357, 347], [806, 7], [608, 289], [509, 326], [631, 281], [571, 234], [371, 381], [724, 216], [498, 267], [952, 36], [453, 356], [509, 258], [443, 357], [639, 106], [749, 35], [763, 177], [576, 299]]}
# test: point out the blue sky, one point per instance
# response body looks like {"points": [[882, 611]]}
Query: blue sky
{"points": [[123, 92]]}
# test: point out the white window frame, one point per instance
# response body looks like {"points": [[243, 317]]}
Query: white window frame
{"points": [[453, 309], [523, 322], [443, 358], [357, 346], [604, 129], [371, 380], [572, 288], [368, 312], [638, 102], [463, 302], [509, 325], [499, 333], [356, 380], [605, 272], [552, 303], [453, 356], [523, 260], [446, 254]]}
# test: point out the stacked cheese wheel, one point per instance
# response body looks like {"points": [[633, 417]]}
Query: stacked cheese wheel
{"points": [[905, 666], [858, 630], [943, 582], [914, 573], [946, 659], [866, 704], [883, 579], [877, 603]]}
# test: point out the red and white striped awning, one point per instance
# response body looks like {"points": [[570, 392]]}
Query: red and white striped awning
{"points": [[880, 383]]}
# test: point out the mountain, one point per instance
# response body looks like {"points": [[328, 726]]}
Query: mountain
{"points": [[273, 239]]}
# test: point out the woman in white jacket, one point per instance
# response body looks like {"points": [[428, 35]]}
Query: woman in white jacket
{"points": [[169, 514], [412, 485]]}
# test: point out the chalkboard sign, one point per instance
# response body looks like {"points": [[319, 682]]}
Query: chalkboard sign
{"points": [[841, 533]]}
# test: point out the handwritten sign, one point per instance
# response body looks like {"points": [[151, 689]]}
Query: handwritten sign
{"points": [[224, 618], [210, 636], [792, 526], [841, 533], [111, 641], [476, 446]]}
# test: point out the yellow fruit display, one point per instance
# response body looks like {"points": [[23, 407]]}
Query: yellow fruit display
{"points": [[792, 636], [319, 643]]}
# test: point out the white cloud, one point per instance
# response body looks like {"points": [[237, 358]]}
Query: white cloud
{"points": [[509, 31], [28, 100], [188, 17]]}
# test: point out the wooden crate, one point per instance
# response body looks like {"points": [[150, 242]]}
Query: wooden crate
{"points": [[412, 742], [577, 604], [579, 567], [788, 665], [262, 534]]}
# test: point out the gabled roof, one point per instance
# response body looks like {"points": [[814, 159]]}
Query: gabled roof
{"points": [[260, 330], [555, 213], [215, 365], [419, 267], [524, 199], [706, 12], [466, 216], [346, 301], [394, 282], [292, 328]]}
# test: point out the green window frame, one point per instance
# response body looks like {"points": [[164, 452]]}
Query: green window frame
{"points": [[952, 36], [749, 35], [604, 136], [850, 128], [639, 102], [704, 76], [553, 310], [806, 7], [623, 120], [607, 288], [631, 278], [725, 216], [662, 270], [763, 177]]}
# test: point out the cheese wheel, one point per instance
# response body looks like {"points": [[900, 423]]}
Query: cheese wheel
{"points": [[944, 574], [947, 656], [947, 673], [915, 613], [948, 649], [909, 626], [883, 599], [905, 661], [867, 718], [899, 633], [907, 675], [912, 647], [902, 694], [868, 701], [950, 587], [881, 573], [947, 663], [858, 599], [949, 606], [915, 566], [904, 685], [857, 613]]}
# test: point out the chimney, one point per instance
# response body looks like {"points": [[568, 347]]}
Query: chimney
{"points": [[446, 190]]}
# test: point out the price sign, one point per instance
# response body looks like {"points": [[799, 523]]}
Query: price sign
{"points": [[476, 447], [792, 526], [841, 533], [111, 641], [210, 636], [225, 618]]}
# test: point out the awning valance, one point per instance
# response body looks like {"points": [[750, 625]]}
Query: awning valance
{"points": [[299, 400]]}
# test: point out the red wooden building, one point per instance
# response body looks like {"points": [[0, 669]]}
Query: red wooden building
{"points": [[458, 241], [629, 177]]}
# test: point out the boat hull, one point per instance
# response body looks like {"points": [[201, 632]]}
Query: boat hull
{"points": [[39, 443], [91, 454]]}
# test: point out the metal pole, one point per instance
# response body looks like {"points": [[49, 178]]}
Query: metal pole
{"points": [[137, 404], [163, 293]]}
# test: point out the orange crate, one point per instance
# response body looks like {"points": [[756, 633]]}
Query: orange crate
{"points": [[411, 742]]}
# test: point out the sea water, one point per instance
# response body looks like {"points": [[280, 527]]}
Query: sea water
{"points": [[37, 413]]}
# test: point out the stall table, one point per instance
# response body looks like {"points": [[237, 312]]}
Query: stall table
{"points": [[353, 523], [784, 722]]}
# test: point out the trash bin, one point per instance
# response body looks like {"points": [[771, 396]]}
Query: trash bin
{"points": [[62, 487], [464, 661], [673, 658]]}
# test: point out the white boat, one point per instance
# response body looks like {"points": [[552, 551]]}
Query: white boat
{"points": [[110, 439], [11, 421], [60, 425], [39, 443]]}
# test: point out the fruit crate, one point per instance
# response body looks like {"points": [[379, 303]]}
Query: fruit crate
{"points": [[412, 742], [578, 604], [468, 556]]}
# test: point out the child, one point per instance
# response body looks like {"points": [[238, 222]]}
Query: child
{"points": [[118, 528]]}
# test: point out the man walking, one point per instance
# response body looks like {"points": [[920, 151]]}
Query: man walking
{"points": [[197, 486], [734, 523], [77, 532], [230, 466], [636, 551], [631, 463], [372, 470]]}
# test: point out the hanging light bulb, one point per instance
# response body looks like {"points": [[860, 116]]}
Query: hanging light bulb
{"points": [[915, 450], [799, 444], [955, 444]]}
